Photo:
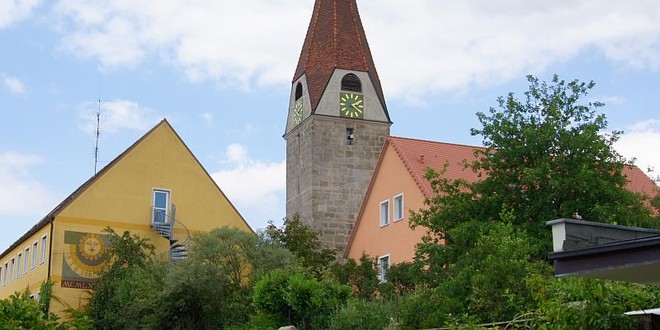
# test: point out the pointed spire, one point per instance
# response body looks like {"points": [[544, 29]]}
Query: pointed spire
{"points": [[335, 40]]}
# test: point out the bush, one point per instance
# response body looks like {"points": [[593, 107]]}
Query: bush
{"points": [[294, 296], [365, 315]]}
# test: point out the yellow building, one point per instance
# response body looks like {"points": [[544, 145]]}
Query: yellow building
{"points": [[156, 188]]}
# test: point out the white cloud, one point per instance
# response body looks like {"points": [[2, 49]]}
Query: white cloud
{"points": [[13, 84], [117, 115], [207, 117], [420, 46], [641, 141], [12, 11], [256, 188], [235, 43], [22, 195]]}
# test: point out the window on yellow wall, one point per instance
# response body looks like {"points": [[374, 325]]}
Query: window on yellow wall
{"points": [[11, 270], [34, 254], [26, 266], [4, 280], [398, 207], [161, 202], [44, 249], [18, 265]]}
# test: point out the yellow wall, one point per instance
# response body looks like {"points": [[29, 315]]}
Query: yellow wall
{"points": [[124, 192], [35, 275], [396, 239], [121, 196]]}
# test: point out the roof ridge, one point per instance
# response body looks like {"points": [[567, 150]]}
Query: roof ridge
{"points": [[437, 142]]}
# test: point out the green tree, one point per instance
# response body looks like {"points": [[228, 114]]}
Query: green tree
{"points": [[20, 311], [295, 296], [362, 276], [212, 289], [304, 243], [129, 287], [545, 157]]}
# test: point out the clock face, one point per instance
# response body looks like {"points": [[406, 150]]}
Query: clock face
{"points": [[351, 105], [298, 112]]}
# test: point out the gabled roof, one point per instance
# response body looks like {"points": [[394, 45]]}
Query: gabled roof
{"points": [[639, 182], [418, 155], [335, 39], [55, 212]]}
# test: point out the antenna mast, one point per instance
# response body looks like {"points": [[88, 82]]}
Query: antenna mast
{"points": [[98, 131]]}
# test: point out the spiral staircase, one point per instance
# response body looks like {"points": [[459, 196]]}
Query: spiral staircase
{"points": [[177, 234]]}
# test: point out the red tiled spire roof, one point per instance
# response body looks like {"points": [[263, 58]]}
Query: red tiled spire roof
{"points": [[335, 39]]}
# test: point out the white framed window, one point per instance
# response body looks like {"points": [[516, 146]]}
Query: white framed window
{"points": [[44, 249], [26, 265], [385, 213], [4, 279], [383, 266], [11, 270], [18, 265], [161, 202], [34, 254], [397, 207]]}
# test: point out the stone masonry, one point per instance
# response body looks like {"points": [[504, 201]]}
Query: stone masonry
{"points": [[327, 177]]}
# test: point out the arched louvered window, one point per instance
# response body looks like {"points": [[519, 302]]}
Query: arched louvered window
{"points": [[351, 83], [298, 91]]}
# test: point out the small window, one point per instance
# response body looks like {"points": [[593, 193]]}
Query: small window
{"points": [[44, 249], [26, 266], [398, 207], [4, 280], [299, 91], [351, 83], [384, 213], [383, 266], [349, 136], [11, 270], [34, 254], [161, 201], [18, 265]]}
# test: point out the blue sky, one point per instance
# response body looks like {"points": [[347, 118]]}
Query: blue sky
{"points": [[220, 72]]}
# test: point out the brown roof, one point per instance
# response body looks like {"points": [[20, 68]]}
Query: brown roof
{"points": [[335, 39]]}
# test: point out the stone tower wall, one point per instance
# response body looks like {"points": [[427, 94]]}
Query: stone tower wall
{"points": [[326, 177]]}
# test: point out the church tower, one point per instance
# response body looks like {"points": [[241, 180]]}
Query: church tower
{"points": [[337, 122]]}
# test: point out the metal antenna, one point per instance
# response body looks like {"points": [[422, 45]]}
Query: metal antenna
{"points": [[98, 131]]}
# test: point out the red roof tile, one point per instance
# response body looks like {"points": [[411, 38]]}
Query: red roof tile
{"points": [[335, 39], [639, 182], [418, 155]]}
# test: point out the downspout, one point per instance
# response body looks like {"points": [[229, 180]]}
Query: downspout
{"points": [[50, 247]]}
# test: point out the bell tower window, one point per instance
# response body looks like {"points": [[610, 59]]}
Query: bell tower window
{"points": [[351, 83], [298, 91]]}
